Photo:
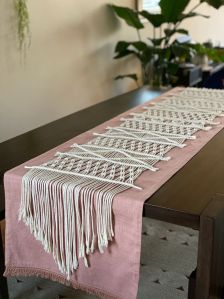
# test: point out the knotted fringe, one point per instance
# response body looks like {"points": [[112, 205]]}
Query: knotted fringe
{"points": [[68, 214], [67, 202], [26, 272]]}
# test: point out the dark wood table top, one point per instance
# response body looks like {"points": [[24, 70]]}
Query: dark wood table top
{"points": [[180, 200], [189, 191], [22, 148]]}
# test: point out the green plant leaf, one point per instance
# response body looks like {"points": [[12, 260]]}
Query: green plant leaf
{"points": [[172, 9], [147, 55], [123, 45], [215, 3], [190, 15], [155, 19], [140, 46], [182, 31], [172, 68], [124, 48], [200, 49], [214, 54], [170, 32], [166, 53], [180, 50], [128, 15], [124, 53], [220, 55], [156, 41], [130, 76]]}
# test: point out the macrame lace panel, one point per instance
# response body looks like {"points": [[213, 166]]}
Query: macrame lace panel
{"points": [[67, 202]]}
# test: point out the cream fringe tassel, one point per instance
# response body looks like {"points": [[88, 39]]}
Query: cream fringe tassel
{"points": [[67, 202], [68, 215]]}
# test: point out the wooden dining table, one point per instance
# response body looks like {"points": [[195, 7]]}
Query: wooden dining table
{"points": [[193, 197]]}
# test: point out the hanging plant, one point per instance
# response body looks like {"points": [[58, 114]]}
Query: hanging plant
{"points": [[23, 28]]}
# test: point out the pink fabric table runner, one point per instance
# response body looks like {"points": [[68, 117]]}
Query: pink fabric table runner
{"points": [[115, 273]]}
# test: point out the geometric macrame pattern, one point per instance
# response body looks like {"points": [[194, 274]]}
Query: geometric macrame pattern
{"points": [[67, 202]]}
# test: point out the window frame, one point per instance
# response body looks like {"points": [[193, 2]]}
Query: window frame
{"points": [[140, 6]]}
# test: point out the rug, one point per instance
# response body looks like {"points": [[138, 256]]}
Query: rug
{"points": [[168, 256]]}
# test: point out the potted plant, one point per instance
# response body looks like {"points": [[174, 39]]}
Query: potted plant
{"points": [[160, 56]]}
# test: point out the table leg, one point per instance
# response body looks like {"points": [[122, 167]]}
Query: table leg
{"points": [[210, 265], [3, 281], [191, 285]]}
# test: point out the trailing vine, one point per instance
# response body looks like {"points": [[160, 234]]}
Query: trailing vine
{"points": [[23, 25]]}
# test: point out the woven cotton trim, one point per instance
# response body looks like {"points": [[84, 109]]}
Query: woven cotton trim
{"points": [[67, 202], [12, 271]]}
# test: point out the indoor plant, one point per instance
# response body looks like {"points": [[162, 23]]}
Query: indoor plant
{"points": [[160, 55], [23, 28]]}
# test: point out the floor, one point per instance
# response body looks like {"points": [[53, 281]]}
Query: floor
{"points": [[169, 255]]}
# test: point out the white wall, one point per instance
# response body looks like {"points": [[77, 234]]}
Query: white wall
{"points": [[69, 65], [70, 62], [202, 29]]}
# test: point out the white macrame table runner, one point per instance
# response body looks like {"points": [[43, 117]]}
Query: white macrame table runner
{"points": [[67, 201], [88, 194]]}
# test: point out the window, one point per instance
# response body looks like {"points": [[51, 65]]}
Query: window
{"points": [[151, 6]]}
